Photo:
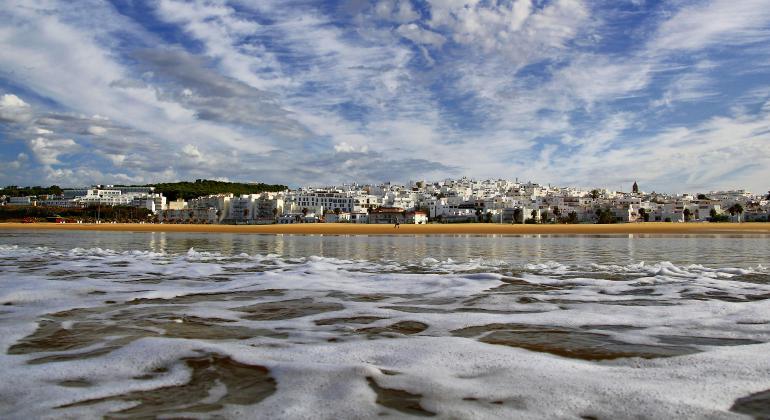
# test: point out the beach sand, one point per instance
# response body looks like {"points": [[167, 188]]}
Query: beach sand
{"points": [[431, 229]]}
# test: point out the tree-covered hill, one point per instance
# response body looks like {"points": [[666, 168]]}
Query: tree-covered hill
{"points": [[14, 191], [172, 190], [203, 187]]}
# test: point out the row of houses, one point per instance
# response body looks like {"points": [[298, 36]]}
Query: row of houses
{"points": [[447, 201], [140, 197]]}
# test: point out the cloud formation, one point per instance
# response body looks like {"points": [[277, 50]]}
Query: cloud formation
{"points": [[562, 91], [13, 109]]}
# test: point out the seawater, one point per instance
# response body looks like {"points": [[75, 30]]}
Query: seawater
{"points": [[96, 324]]}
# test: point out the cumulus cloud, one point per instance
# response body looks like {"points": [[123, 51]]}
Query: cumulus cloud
{"points": [[12, 101], [13, 109], [191, 151], [47, 151]]}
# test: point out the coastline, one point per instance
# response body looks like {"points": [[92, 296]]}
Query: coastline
{"points": [[430, 229]]}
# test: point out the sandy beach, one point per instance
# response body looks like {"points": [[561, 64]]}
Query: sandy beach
{"points": [[431, 229]]}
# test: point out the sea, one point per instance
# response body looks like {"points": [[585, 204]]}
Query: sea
{"points": [[212, 325]]}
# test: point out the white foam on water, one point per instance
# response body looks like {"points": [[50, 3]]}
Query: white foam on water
{"points": [[457, 377]]}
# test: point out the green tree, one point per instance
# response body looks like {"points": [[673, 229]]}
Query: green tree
{"points": [[604, 216], [203, 187], [687, 215], [713, 213], [517, 213], [16, 191], [557, 213], [572, 217], [594, 194], [739, 210]]}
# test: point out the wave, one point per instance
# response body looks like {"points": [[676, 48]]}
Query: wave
{"points": [[458, 338]]}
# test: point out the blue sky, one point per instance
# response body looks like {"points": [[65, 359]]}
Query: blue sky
{"points": [[674, 94]]}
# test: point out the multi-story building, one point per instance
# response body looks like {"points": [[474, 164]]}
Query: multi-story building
{"points": [[325, 199]]}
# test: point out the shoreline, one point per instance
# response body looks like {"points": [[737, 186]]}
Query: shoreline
{"points": [[430, 229]]}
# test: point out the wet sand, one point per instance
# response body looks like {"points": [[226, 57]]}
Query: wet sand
{"points": [[473, 326], [430, 229]]}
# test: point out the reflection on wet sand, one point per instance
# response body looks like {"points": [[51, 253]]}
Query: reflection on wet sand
{"points": [[243, 385], [566, 342], [287, 309], [755, 405], [108, 328], [399, 400]]}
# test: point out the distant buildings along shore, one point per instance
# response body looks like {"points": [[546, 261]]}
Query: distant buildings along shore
{"points": [[447, 201]]}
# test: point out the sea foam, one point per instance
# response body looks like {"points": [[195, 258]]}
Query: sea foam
{"points": [[361, 338]]}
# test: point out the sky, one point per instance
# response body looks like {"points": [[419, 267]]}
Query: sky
{"points": [[601, 93]]}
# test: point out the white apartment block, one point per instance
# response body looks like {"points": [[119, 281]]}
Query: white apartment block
{"points": [[325, 199]]}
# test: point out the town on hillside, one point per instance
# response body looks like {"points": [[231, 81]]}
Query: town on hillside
{"points": [[461, 200]]}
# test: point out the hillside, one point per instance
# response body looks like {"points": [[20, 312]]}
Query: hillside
{"points": [[202, 187]]}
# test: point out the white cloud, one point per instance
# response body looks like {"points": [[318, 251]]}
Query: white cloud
{"points": [[47, 151], [421, 36], [689, 87], [516, 29], [13, 109], [9, 100], [116, 159], [191, 151], [73, 69], [719, 153], [397, 11], [96, 130], [349, 148], [21, 160], [298, 91], [591, 78], [718, 22]]}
